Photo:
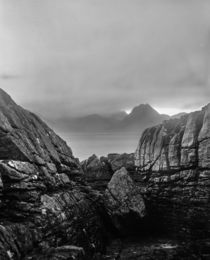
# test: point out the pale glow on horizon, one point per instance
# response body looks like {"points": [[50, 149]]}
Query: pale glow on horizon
{"points": [[167, 110], [128, 111], [170, 110]]}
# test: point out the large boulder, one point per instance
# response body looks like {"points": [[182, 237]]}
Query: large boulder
{"points": [[45, 209], [124, 201], [173, 161]]}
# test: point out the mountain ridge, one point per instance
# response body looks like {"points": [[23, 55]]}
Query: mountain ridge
{"points": [[141, 116]]}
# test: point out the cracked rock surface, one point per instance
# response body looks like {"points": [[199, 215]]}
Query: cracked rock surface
{"points": [[173, 161], [46, 212], [124, 201]]}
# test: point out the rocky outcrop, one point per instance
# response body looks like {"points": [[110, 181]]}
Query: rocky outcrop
{"points": [[117, 161], [45, 210], [98, 171], [124, 204], [124, 201], [173, 161]]}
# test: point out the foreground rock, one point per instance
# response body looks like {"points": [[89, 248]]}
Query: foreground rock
{"points": [[174, 166], [63, 252], [155, 248], [45, 210], [99, 171], [124, 201]]}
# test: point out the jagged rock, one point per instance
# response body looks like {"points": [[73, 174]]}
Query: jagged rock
{"points": [[124, 200], [25, 137], [44, 203], [117, 161], [99, 171], [173, 161]]}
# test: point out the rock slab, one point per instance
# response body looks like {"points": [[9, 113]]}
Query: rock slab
{"points": [[124, 200]]}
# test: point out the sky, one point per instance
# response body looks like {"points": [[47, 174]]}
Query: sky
{"points": [[63, 58]]}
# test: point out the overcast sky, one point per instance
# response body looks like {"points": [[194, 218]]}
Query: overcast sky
{"points": [[66, 57]]}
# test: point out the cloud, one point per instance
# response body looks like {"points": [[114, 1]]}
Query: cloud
{"points": [[88, 56]]}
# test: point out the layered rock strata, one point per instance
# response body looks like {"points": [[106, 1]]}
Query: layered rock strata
{"points": [[45, 209], [173, 161]]}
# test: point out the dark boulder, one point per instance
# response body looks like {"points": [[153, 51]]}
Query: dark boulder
{"points": [[124, 202]]}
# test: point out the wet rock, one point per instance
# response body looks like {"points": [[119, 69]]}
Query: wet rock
{"points": [[124, 201]]}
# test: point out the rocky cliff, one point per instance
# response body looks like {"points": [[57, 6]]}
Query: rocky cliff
{"points": [[45, 210], [173, 161]]}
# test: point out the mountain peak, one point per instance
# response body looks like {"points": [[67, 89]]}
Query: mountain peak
{"points": [[142, 116], [143, 109]]}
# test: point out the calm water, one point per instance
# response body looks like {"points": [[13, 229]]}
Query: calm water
{"points": [[85, 144]]}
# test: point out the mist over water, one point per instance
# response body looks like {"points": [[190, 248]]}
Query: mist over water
{"points": [[85, 144]]}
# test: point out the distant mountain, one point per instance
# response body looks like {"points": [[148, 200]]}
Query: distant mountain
{"points": [[141, 117], [111, 133], [118, 115], [89, 123]]}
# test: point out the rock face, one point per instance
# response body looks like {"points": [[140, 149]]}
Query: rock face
{"points": [[45, 209], [124, 200], [174, 169], [99, 171]]}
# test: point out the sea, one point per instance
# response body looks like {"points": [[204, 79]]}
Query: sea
{"points": [[84, 145]]}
